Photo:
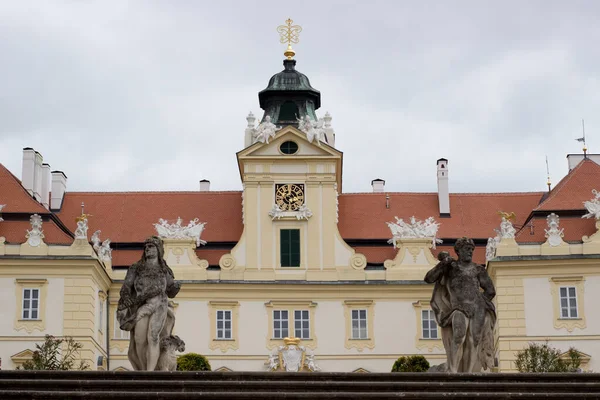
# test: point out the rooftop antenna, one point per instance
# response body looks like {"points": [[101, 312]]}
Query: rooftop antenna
{"points": [[548, 174], [582, 139]]}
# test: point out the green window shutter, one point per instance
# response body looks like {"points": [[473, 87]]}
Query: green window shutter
{"points": [[290, 247]]}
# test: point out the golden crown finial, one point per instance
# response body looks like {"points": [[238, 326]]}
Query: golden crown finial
{"points": [[507, 216], [289, 34], [291, 341]]}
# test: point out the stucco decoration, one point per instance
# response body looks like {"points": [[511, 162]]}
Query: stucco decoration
{"points": [[507, 230], [490, 248], [144, 309], [102, 249], [592, 206], [193, 230], [264, 131], [553, 233], [462, 303], [292, 357], [36, 234], [227, 262], [358, 261], [416, 229], [315, 130], [303, 212], [337, 203], [1, 207], [275, 212], [82, 227]]}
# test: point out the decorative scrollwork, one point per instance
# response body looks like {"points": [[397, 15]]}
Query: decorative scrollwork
{"points": [[227, 262], [358, 261], [289, 33]]}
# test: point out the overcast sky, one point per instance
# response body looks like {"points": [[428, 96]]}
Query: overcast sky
{"points": [[153, 95]]}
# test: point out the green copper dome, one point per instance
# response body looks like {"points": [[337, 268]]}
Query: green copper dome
{"points": [[288, 96]]}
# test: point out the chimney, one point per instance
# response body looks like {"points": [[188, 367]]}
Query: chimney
{"points": [[443, 192], [205, 185], [59, 187], [46, 177], [37, 177], [378, 185], [28, 171]]}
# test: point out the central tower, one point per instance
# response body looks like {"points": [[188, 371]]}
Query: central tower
{"points": [[289, 95]]}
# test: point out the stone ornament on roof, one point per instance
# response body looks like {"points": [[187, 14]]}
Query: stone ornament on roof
{"points": [[593, 206], [292, 357], [1, 207], [490, 248], [82, 227], [264, 131], [507, 230], [193, 230], [102, 249], [36, 234], [315, 130], [416, 229], [553, 233]]}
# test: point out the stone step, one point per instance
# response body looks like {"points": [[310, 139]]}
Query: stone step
{"points": [[295, 386], [270, 395]]}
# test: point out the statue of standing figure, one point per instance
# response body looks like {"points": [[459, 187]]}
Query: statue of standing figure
{"points": [[144, 308], [462, 303]]}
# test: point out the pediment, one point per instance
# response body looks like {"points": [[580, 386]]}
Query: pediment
{"points": [[223, 369], [21, 356], [305, 148]]}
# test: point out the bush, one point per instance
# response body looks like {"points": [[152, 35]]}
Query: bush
{"points": [[192, 362], [56, 355], [544, 358], [411, 364]]}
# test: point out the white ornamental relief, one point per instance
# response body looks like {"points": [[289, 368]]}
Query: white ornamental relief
{"points": [[315, 130], [337, 203], [553, 233], [275, 212], [303, 212], [416, 229], [593, 206], [102, 249], [36, 234], [292, 357], [507, 230], [1, 207], [264, 131], [490, 248], [193, 230], [82, 227]]}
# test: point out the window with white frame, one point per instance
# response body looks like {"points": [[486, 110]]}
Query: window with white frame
{"points": [[31, 303], [302, 324], [224, 324], [359, 324], [429, 325], [280, 324], [568, 302], [118, 333]]}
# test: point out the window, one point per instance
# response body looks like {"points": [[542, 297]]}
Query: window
{"points": [[118, 333], [290, 247], [289, 147], [280, 324], [429, 324], [301, 324], [224, 317], [359, 324], [224, 324], [568, 302], [31, 303], [568, 298]]}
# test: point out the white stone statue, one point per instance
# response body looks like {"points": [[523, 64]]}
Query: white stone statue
{"points": [[592, 206], [314, 129], [414, 230], [303, 212], [490, 248], [95, 239], [266, 130], [507, 230], [193, 230], [169, 346], [82, 227], [276, 212], [291, 357], [1, 207], [36, 234], [553, 233]]}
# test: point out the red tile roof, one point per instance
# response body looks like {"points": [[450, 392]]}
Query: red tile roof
{"points": [[15, 196], [364, 215], [574, 188], [129, 216]]}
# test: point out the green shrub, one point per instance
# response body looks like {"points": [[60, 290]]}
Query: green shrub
{"points": [[411, 364], [544, 358], [192, 362], [56, 355]]}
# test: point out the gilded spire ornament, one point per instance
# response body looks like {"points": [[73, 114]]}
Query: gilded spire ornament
{"points": [[289, 34]]}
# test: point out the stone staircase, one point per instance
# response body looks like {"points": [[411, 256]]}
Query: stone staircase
{"points": [[279, 385]]}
